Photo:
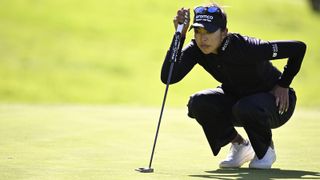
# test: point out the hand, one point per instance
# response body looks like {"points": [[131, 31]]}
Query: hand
{"points": [[282, 98], [182, 17]]}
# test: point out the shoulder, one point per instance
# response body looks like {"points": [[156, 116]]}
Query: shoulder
{"points": [[236, 41], [244, 39]]}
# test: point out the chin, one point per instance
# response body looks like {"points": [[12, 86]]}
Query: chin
{"points": [[205, 51]]}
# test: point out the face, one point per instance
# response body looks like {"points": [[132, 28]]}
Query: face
{"points": [[209, 42]]}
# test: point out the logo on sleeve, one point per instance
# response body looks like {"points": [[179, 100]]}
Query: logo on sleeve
{"points": [[275, 50], [226, 43]]}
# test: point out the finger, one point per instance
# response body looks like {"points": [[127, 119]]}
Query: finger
{"points": [[287, 103], [283, 104], [277, 101], [187, 16], [175, 19], [177, 15], [283, 108], [181, 16], [185, 11], [175, 22], [181, 12], [280, 107]]}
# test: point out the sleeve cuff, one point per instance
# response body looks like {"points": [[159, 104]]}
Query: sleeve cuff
{"points": [[283, 83]]}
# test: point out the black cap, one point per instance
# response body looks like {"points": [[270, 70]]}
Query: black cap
{"points": [[210, 18]]}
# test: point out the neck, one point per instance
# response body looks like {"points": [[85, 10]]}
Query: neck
{"points": [[215, 51]]}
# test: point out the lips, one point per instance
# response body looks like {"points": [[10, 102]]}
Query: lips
{"points": [[204, 46]]}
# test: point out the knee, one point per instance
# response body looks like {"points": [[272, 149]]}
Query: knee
{"points": [[244, 109], [195, 105], [201, 104]]}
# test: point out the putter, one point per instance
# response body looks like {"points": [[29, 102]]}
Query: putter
{"points": [[175, 49]]}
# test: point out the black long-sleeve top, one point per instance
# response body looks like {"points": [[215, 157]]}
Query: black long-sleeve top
{"points": [[242, 64]]}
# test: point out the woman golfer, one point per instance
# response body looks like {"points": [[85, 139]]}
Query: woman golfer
{"points": [[253, 94]]}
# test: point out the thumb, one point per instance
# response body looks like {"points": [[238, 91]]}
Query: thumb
{"points": [[277, 101]]}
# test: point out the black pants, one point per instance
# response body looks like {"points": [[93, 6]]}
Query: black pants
{"points": [[219, 114]]}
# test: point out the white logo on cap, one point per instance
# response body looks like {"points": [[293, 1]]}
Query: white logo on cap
{"points": [[206, 18]]}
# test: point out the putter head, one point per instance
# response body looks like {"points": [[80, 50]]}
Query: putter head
{"points": [[145, 170]]}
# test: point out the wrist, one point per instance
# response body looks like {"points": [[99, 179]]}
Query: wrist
{"points": [[282, 83]]}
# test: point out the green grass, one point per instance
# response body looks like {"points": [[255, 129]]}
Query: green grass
{"points": [[109, 142], [111, 52]]}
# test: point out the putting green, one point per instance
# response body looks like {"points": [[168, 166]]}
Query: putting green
{"points": [[109, 142]]}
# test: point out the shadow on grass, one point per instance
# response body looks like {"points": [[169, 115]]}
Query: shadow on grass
{"points": [[246, 173]]}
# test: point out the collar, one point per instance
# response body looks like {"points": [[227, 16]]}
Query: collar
{"points": [[225, 43]]}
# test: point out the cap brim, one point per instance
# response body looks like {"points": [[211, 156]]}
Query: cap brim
{"points": [[207, 26]]}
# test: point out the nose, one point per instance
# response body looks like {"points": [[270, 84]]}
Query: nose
{"points": [[204, 37]]}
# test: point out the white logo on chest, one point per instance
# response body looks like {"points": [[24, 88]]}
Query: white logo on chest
{"points": [[275, 50]]}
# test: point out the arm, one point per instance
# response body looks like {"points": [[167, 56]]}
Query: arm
{"points": [[270, 50], [293, 50], [185, 57], [185, 62]]}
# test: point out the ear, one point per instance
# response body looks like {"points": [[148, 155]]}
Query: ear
{"points": [[225, 32]]}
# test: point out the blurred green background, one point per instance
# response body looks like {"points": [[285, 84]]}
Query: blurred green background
{"points": [[111, 52]]}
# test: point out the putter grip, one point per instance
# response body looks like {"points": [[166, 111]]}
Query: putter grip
{"points": [[180, 27]]}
